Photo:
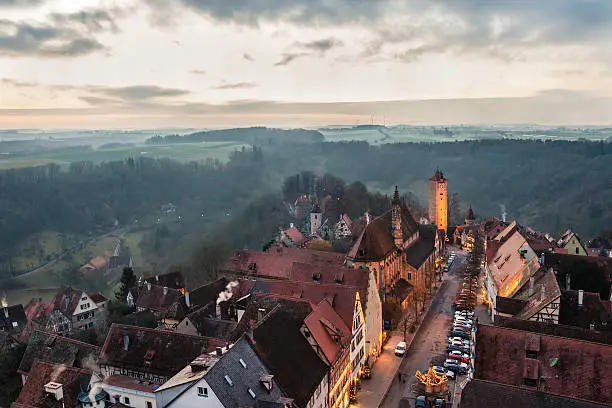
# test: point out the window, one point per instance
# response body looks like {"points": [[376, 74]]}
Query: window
{"points": [[531, 354], [530, 382], [149, 405], [117, 398], [15, 324], [576, 250], [203, 391], [84, 298], [126, 400]]}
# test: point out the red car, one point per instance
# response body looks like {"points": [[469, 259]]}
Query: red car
{"points": [[459, 358]]}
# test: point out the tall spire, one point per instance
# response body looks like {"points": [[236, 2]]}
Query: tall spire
{"points": [[396, 198]]}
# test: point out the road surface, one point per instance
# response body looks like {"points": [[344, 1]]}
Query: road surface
{"points": [[430, 341]]}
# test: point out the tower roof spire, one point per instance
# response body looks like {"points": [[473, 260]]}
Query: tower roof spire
{"points": [[396, 198]]}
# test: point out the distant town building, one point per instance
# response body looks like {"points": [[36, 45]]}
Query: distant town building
{"points": [[438, 200]]}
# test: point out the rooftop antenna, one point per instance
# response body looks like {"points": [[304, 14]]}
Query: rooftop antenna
{"points": [[371, 119]]}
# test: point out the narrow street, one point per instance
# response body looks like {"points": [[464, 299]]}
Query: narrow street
{"points": [[430, 341]]}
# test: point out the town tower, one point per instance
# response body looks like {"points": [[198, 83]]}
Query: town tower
{"points": [[438, 200]]}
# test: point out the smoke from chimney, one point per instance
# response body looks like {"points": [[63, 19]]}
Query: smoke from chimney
{"points": [[57, 371], [227, 293], [504, 214], [4, 301]]}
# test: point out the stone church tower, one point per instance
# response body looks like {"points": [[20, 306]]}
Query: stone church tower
{"points": [[316, 219], [438, 200]]}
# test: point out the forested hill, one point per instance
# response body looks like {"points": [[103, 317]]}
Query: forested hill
{"points": [[254, 135]]}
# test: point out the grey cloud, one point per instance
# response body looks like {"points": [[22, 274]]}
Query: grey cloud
{"points": [[467, 26], [20, 3], [288, 57], [62, 36], [140, 92], [235, 85], [27, 40], [247, 57], [94, 20], [322, 45], [104, 95]]}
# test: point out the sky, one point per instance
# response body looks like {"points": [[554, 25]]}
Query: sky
{"points": [[220, 63]]}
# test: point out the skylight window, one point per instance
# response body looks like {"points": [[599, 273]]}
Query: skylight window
{"points": [[252, 393], [229, 380], [243, 363]]}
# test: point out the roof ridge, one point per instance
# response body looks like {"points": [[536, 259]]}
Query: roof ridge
{"points": [[65, 338], [546, 334]]}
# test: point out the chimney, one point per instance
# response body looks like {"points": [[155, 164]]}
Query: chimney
{"points": [[126, 342], [367, 218], [218, 311], [157, 278], [219, 351], [165, 290], [149, 286], [542, 293], [55, 389], [531, 286], [580, 297], [187, 299], [568, 282]]}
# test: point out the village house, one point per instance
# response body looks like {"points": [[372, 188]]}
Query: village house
{"points": [[281, 346], [54, 385], [151, 355], [12, 319], [238, 378], [509, 264], [539, 362], [332, 339], [420, 257], [342, 229], [345, 300], [570, 243], [370, 303], [167, 304], [201, 323], [576, 272], [173, 280], [56, 349], [73, 309]]}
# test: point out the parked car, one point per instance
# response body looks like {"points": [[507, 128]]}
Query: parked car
{"points": [[400, 349], [463, 349], [463, 335], [439, 370], [460, 354], [450, 375], [455, 366], [458, 358]]}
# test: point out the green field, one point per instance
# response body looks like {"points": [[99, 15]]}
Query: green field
{"points": [[182, 152]]}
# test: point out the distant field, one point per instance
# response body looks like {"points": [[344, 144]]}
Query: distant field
{"points": [[38, 249], [182, 152]]}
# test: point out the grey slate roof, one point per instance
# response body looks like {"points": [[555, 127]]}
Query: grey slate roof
{"points": [[243, 379]]}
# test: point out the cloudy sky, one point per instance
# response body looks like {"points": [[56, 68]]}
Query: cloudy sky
{"points": [[209, 63]]}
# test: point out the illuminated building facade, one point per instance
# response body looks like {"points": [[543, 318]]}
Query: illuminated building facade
{"points": [[438, 201]]}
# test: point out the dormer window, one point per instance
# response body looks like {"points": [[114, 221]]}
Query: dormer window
{"points": [[266, 381]]}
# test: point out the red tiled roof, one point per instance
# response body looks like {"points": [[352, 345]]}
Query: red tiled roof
{"points": [[172, 280], [152, 297], [66, 300], [97, 297], [129, 383], [73, 380], [342, 297], [302, 272], [36, 309], [278, 262], [171, 351], [581, 370], [328, 330], [295, 235]]}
